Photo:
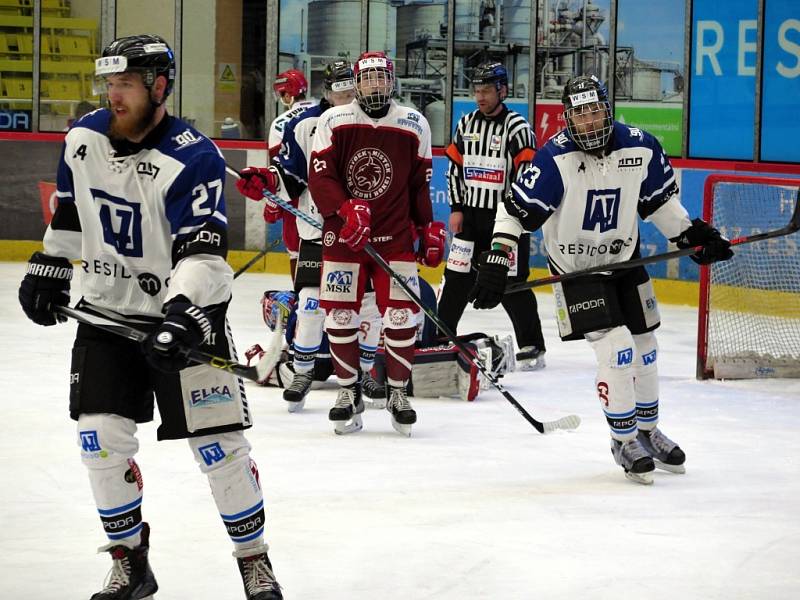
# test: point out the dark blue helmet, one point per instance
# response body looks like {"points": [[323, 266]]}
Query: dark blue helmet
{"points": [[490, 72]]}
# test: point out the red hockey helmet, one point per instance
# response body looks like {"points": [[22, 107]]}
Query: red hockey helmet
{"points": [[374, 73], [291, 82]]}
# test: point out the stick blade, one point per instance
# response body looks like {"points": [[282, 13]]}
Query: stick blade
{"points": [[566, 423]]}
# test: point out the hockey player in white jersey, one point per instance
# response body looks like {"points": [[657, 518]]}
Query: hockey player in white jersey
{"points": [[288, 178], [587, 188], [141, 205], [290, 88]]}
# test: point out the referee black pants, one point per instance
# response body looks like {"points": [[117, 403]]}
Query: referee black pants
{"points": [[521, 307]]}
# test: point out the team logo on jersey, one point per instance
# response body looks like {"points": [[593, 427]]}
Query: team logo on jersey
{"points": [[329, 238], [149, 283], [186, 139], [602, 210], [630, 162], [147, 169], [649, 358], [369, 173], [211, 453], [121, 221]]}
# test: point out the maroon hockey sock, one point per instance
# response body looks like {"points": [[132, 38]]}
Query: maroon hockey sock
{"points": [[344, 354], [399, 348]]}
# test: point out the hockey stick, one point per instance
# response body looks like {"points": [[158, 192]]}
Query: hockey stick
{"points": [[256, 258], [568, 422], [137, 335], [791, 227]]}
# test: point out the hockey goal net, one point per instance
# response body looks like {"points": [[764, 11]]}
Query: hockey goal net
{"points": [[749, 317]]}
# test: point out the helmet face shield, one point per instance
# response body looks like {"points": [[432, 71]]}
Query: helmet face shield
{"points": [[374, 80], [117, 65], [587, 112]]}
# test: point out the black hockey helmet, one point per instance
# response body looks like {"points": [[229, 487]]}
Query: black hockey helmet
{"points": [[339, 76], [584, 95], [490, 72], [148, 55]]}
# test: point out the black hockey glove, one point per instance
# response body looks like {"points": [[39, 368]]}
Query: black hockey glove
{"points": [[185, 327], [715, 247], [492, 276], [45, 287]]}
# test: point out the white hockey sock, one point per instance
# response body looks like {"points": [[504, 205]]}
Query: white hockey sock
{"points": [[108, 445], [615, 352], [369, 333], [308, 330], [646, 380], [233, 477]]}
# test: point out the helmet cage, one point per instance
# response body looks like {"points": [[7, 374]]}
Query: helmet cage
{"points": [[374, 74], [597, 135]]}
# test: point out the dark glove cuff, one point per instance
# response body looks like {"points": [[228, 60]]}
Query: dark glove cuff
{"points": [[53, 267]]}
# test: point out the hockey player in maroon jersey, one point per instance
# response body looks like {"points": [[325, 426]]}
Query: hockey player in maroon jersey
{"points": [[368, 174]]}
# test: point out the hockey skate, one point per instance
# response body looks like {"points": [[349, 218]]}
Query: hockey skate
{"points": [[130, 577], [667, 455], [257, 576], [346, 412], [634, 459], [530, 358], [403, 416], [374, 392], [296, 393]]}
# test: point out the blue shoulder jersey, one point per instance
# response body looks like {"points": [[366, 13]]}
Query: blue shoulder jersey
{"points": [[146, 220], [588, 206]]}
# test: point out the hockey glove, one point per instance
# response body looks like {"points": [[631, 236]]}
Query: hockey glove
{"points": [[254, 180], [715, 247], [490, 286], [431, 244], [45, 287], [185, 327], [355, 231]]}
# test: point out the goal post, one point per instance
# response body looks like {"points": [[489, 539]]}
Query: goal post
{"points": [[749, 308]]}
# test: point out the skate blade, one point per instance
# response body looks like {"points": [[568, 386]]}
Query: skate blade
{"points": [[402, 428], [643, 478], [295, 407], [680, 469], [350, 426], [379, 403]]}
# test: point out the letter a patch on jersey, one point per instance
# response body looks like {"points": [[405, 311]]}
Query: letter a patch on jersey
{"points": [[602, 209]]}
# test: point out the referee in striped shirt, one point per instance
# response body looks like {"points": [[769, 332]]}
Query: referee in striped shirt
{"points": [[488, 148]]}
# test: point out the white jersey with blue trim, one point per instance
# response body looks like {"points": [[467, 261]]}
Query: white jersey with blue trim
{"points": [[298, 138], [147, 221], [588, 206], [278, 125]]}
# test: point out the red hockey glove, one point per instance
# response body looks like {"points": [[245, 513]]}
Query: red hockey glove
{"points": [[355, 231], [272, 212], [432, 238], [255, 180]]}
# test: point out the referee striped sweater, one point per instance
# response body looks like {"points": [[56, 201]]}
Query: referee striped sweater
{"points": [[485, 155]]}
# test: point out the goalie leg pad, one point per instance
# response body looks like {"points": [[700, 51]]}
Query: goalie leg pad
{"points": [[108, 445], [646, 380], [616, 353], [235, 485]]}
